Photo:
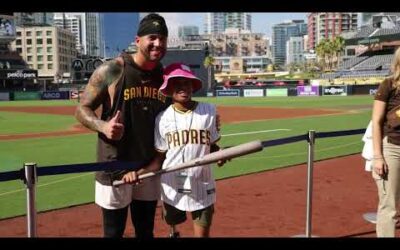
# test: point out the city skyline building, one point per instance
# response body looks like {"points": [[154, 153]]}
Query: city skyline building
{"points": [[49, 49], [219, 22], [187, 30], [33, 18], [295, 50], [280, 35], [328, 25], [88, 29]]}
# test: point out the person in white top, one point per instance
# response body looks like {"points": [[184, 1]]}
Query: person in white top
{"points": [[184, 131], [368, 152]]}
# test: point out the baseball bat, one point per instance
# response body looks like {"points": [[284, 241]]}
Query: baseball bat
{"points": [[229, 153]]}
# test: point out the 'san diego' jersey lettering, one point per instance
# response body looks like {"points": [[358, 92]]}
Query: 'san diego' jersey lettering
{"points": [[143, 92]]}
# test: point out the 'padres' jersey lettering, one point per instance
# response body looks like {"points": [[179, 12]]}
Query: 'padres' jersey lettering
{"points": [[182, 137], [186, 136], [143, 92]]}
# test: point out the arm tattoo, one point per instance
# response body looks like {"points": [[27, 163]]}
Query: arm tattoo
{"points": [[96, 92]]}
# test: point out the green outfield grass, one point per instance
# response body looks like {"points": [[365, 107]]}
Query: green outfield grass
{"points": [[23, 123], [293, 101], [39, 103], [66, 190]]}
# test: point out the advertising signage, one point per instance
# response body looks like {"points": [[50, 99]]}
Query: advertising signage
{"points": [[20, 74], [335, 90], [253, 92], [231, 92], [277, 92], [7, 28], [55, 95], [368, 41], [308, 90]]}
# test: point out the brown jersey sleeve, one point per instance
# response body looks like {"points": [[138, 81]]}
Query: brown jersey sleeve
{"points": [[383, 92]]}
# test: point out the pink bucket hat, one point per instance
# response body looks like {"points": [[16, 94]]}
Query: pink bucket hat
{"points": [[179, 70]]}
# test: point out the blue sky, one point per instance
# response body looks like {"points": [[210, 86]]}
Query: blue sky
{"points": [[120, 28]]}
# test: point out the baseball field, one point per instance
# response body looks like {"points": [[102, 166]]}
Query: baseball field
{"points": [[45, 132]]}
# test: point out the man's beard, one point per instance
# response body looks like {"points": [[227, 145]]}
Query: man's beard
{"points": [[147, 56]]}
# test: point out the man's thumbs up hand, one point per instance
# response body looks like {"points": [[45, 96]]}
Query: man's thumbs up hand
{"points": [[113, 128]]}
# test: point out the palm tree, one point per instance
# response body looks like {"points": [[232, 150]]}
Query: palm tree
{"points": [[329, 53], [293, 67], [208, 64], [321, 52], [338, 47], [325, 50]]}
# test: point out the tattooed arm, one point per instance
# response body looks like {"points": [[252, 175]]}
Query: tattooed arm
{"points": [[101, 84]]}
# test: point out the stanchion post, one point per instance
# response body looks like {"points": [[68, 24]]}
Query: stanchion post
{"points": [[310, 165], [30, 181]]}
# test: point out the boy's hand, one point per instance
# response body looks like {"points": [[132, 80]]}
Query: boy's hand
{"points": [[131, 178]]}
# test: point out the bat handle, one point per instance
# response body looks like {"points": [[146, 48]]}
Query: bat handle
{"points": [[118, 183]]}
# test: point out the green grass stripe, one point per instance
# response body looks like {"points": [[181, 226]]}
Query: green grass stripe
{"points": [[51, 192], [12, 123], [338, 102], [49, 151], [39, 103]]}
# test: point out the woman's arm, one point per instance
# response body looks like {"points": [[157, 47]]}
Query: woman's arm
{"points": [[378, 114]]}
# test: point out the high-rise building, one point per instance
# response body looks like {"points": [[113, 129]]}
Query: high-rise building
{"points": [[234, 43], [327, 25], [365, 18], [239, 20], [186, 30], [23, 18], [73, 24], [280, 35], [43, 18], [218, 22], [48, 49], [14, 72], [88, 29], [33, 18], [95, 34], [214, 23], [295, 50]]}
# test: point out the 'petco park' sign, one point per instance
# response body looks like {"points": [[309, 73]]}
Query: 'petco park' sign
{"points": [[18, 74]]}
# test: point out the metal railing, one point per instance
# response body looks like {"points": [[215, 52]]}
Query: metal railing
{"points": [[29, 174]]}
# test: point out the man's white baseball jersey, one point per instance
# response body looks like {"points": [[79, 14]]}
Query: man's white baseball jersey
{"points": [[186, 136]]}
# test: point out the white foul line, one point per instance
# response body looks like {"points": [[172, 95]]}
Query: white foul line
{"points": [[257, 132]]}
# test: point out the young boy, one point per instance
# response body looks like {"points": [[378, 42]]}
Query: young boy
{"points": [[184, 131]]}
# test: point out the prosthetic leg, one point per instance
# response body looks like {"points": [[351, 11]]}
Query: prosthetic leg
{"points": [[174, 233]]}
